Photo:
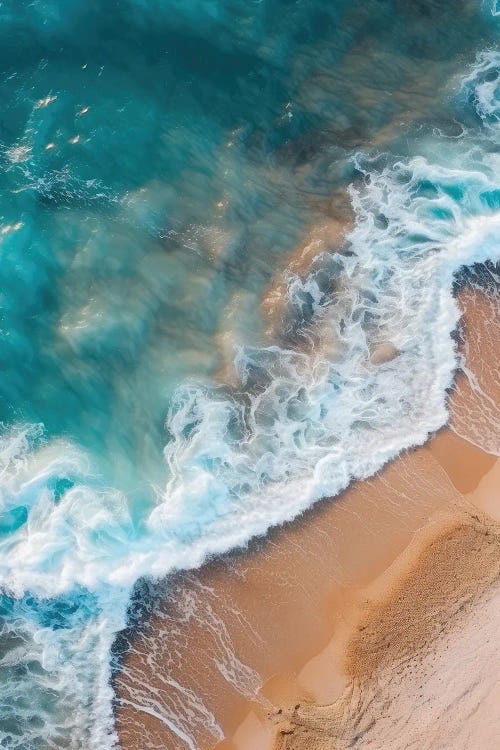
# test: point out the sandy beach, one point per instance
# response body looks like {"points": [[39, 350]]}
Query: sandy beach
{"points": [[423, 657], [369, 622], [250, 386]]}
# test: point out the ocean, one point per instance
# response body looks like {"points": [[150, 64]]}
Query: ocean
{"points": [[171, 387]]}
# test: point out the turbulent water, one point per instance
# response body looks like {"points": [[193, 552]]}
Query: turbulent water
{"points": [[160, 160]]}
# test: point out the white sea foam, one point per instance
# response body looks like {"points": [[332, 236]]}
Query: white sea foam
{"points": [[56, 690], [482, 86], [306, 428], [301, 428]]}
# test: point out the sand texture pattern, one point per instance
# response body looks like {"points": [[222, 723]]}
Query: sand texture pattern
{"points": [[424, 658], [377, 614]]}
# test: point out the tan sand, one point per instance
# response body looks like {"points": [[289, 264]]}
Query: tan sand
{"points": [[424, 657], [475, 412], [422, 653], [283, 616], [327, 674], [272, 609]]}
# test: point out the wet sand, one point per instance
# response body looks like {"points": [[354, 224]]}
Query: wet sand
{"points": [[475, 412], [278, 625]]}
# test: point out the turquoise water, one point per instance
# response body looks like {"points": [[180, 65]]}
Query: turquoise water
{"points": [[160, 160]]}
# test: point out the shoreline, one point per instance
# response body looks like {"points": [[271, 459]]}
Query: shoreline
{"points": [[475, 474], [324, 679], [269, 627]]}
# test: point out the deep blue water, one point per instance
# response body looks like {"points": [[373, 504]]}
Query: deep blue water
{"points": [[159, 161]]}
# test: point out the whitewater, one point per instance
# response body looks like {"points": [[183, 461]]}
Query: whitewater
{"points": [[297, 427]]}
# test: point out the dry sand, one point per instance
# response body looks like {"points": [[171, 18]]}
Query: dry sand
{"points": [[423, 660], [380, 606]]}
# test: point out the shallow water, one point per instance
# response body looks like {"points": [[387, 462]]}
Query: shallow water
{"points": [[161, 160]]}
